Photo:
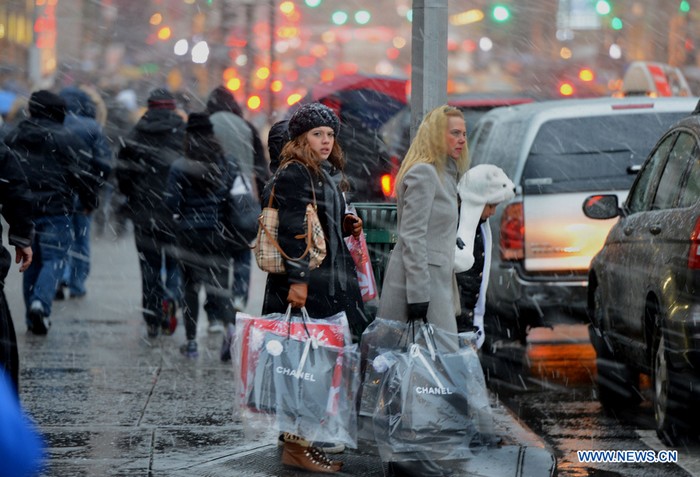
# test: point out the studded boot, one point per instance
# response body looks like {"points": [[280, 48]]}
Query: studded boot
{"points": [[308, 458]]}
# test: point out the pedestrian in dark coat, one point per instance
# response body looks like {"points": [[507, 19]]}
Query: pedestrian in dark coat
{"points": [[333, 286], [308, 160], [57, 165], [80, 119], [197, 185], [242, 145], [16, 206], [143, 164]]}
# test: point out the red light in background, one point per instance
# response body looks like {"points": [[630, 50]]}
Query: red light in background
{"points": [[392, 53], [387, 183], [306, 61], [327, 75], [347, 68]]}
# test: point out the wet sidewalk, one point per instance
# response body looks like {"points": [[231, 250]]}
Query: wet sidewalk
{"points": [[112, 403]]}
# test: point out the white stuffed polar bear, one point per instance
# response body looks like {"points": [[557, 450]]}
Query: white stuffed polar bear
{"points": [[481, 185]]}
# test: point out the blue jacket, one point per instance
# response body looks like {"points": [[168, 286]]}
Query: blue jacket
{"points": [[80, 119]]}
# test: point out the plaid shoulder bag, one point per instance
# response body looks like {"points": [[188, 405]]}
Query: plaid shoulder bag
{"points": [[268, 253]]}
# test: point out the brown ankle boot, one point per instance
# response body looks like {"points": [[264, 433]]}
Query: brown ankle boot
{"points": [[308, 458]]}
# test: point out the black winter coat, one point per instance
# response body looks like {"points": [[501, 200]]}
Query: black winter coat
{"points": [[195, 193], [57, 164], [332, 287], [143, 164], [469, 284], [16, 202]]}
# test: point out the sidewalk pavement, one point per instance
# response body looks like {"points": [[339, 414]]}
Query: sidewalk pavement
{"points": [[111, 402]]}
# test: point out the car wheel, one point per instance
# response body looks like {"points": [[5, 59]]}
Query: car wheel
{"points": [[617, 383], [668, 399]]}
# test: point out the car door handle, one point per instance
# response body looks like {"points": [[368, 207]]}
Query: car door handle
{"points": [[655, 229]]}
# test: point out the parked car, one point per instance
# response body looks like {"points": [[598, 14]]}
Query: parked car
{"points": [[644, 285], [557, 153]]}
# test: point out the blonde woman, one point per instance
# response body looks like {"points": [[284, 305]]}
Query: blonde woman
{"points": [[419, 281]]}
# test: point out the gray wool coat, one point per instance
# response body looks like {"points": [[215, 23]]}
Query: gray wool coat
{"points": [[421, 266]]}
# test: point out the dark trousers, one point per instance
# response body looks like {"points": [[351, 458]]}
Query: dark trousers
{"points": [[212, 273], [160, 276], [9, 357]]}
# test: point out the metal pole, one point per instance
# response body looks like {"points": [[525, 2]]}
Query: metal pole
{"points": [[429, 58], [270, 93]]}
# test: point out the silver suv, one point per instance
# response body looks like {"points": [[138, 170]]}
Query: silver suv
{"points": [[558, 153]]}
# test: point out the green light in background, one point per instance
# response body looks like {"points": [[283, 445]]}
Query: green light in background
{"points": [[339, 17], [313, 3], [684, 7], [616, 24], [362, 17], [500, 13]]}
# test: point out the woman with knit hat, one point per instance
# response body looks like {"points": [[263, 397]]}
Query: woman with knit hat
{"points": [[308, 160]]}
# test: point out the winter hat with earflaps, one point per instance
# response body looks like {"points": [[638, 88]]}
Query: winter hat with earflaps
{"points": [[161, 98], [480, 185], [310, 116]]}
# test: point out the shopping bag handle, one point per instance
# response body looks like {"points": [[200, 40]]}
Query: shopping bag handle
{"points": [[304, 319]]}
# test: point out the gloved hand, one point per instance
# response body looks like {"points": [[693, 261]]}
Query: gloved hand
{"points": [[418, 311], [479, 326], [352, 224], [297, 294]]}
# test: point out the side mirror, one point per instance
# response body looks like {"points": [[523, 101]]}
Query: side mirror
{"points": [[601, 206]]}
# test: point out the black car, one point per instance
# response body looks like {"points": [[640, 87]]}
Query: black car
{"points": [[644, 286]]}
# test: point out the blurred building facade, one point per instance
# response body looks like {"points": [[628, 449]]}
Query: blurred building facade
{"points": [[269, 51]]}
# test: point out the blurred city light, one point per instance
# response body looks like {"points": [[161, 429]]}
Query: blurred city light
{"points": [[181, 47], [312, 3], [465, 18], [164, 33], [616, 23], [200, 52], [602, 7], [500, 13], [339, 17], [254, 102], [362, 17]]}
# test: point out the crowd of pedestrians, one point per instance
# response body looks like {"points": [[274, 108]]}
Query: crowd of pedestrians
{"points": [[170, 173]]}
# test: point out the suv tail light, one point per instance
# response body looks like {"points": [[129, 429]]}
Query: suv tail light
{"points": [[387, 181], [387, 184], [512, 232], [694, 254]]}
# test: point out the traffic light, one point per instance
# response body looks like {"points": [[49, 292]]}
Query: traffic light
{"points": [[500, 13], [684, 6], [339, 17]]}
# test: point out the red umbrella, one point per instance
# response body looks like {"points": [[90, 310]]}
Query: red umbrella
{"points": [[393, 87], [361, 99]]}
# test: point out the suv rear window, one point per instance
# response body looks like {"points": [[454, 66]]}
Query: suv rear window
{"points": [[592, 153]]}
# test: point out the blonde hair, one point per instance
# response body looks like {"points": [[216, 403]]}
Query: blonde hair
{"points": [[429, 145]]}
